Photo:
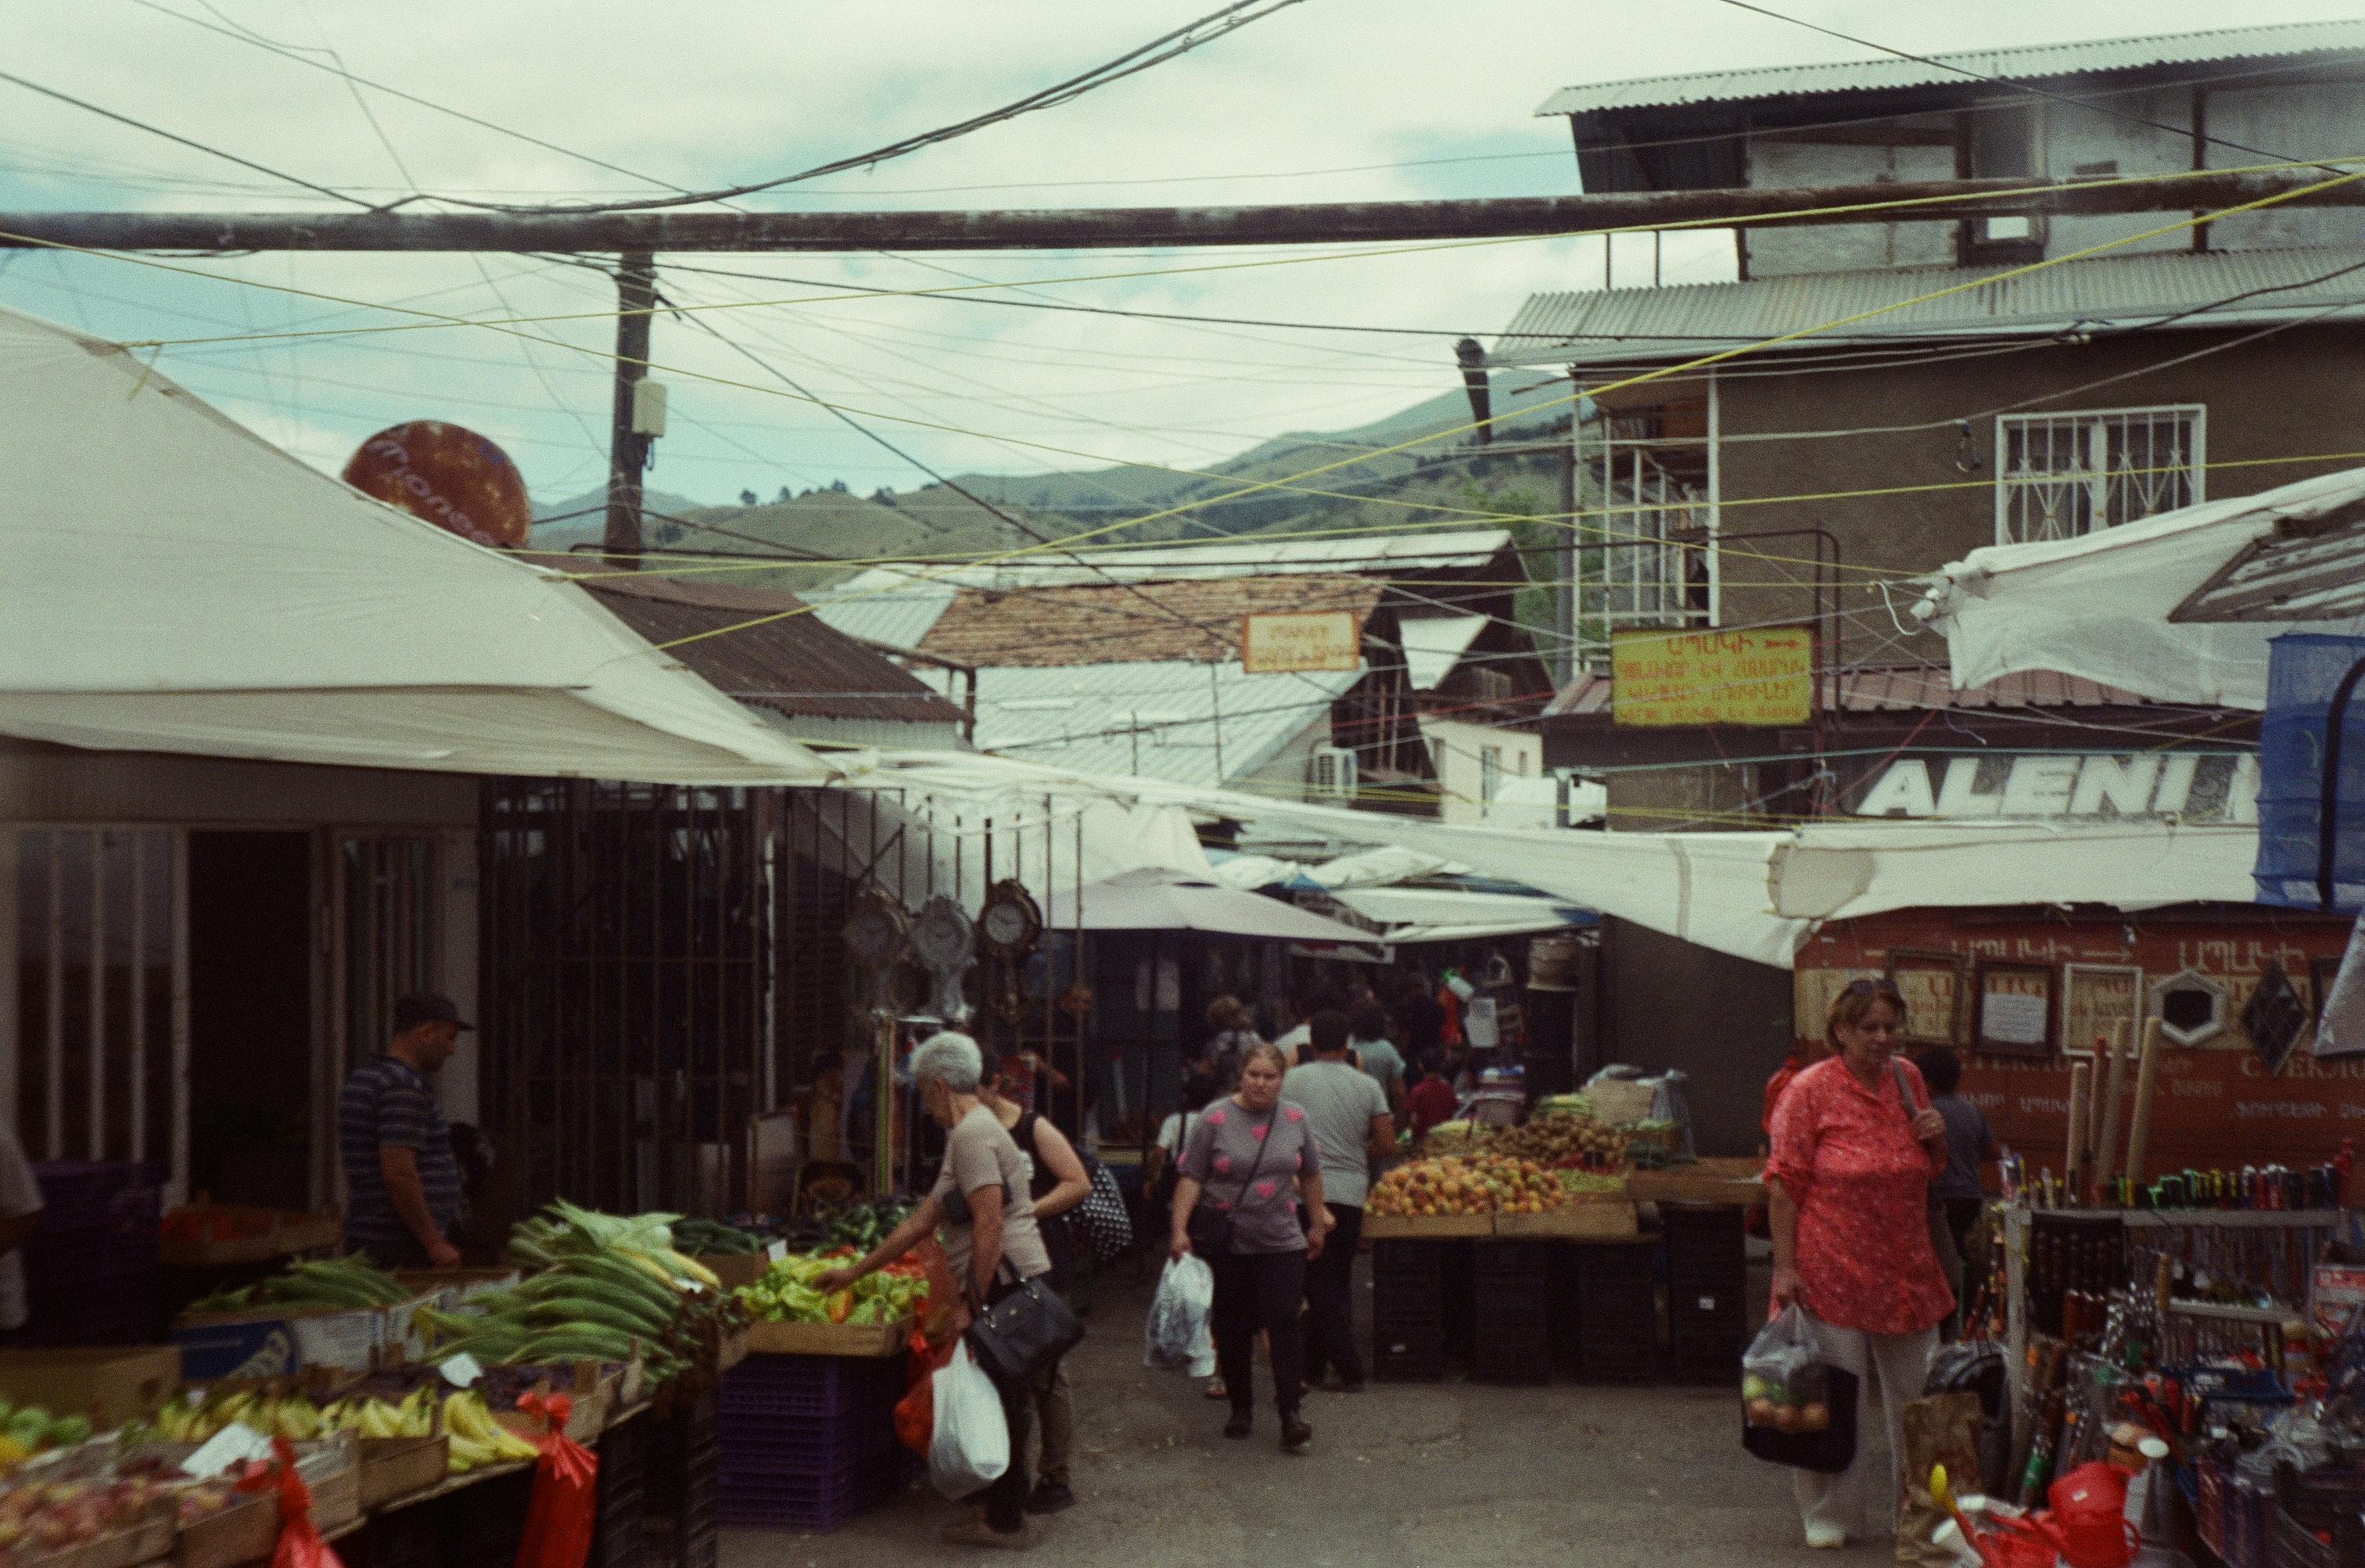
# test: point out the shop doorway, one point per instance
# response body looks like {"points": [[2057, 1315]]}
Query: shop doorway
{"points": [[251, 1016]]}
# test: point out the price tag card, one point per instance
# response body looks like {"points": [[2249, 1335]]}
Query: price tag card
{"points": [[233, 1445], [461, 1371], [776, 1252]]}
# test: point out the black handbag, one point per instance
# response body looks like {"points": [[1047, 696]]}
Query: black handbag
{"points": [[1210, 1228], [1018, 1337]]}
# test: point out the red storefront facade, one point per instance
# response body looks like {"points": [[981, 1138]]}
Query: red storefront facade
{"points": [[2218, 1104]]}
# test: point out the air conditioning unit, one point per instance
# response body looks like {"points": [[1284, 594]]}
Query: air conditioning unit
{"points": [[1330, 770]]}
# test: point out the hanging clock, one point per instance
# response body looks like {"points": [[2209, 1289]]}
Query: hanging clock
{"points": [[876, 929], [946, 945], [1011, 919]]}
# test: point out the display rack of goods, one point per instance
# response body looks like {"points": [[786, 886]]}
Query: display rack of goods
{"points": [[787, 1316], [860, 1225], [733, 1256], [329, 1311], [207, 1235], [1454, 1138], [88, 1514], [1564, 1133], [608, 1288], [111, 1384]]}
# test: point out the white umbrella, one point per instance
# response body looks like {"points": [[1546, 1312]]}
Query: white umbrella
{"points": [[1155, 899]]}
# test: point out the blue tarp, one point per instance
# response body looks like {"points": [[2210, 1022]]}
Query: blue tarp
{"points": [[2304, 671]]}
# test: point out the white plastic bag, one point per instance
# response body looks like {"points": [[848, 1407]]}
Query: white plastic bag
{"points": [[972, 1445], [1176, 1336]]}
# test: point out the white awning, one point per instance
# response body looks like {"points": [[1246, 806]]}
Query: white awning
{"points": [[2098, 606], [176, 584], [1754, 895]]}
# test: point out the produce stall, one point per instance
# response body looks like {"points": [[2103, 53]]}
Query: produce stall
{"points": [[1549, 1247], [422, 1413]]}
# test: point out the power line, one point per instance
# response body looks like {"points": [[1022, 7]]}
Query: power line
{"points": [[2194, 131], [32, 86], [1167, 46]]}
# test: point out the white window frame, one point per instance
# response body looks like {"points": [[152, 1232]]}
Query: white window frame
{"points": [[2079, 427]]}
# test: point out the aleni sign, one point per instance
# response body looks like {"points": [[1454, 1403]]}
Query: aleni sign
{"points": [[2190, 785]]}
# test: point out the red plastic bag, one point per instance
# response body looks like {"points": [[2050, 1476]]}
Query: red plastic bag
{"points": [[565, 1507], [300, 1545], [916, 1413]]}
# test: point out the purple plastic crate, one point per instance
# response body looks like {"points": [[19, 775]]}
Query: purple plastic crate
{"points": [[79, 1194], [764, 1387], [783, 1501]]}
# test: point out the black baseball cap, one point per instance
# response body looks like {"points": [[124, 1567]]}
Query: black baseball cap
{"points": [[426, 1007]]}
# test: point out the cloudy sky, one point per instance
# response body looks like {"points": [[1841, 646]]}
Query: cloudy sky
{"points": [[1326, 100]]}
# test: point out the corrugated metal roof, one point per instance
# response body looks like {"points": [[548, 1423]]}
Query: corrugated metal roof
{"points": [[1894, 688], [2026, 62], [1433, 644], [1612, 325], [797, 667], [1150, 720], [884, 605], [1124, 624]]}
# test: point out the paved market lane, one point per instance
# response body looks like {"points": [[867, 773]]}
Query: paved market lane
{"points": [[1418, 1475]]}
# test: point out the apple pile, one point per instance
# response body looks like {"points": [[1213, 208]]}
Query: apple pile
{"points": [[1467, 1184], [39, 1517]]}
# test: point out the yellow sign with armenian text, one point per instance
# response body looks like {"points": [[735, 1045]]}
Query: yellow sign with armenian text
{"points": [[1762, 676]]}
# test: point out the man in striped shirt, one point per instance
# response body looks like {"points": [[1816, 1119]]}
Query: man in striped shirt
{"points": [[402, 1178]]}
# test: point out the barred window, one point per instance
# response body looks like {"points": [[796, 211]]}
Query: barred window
{"points": [[2061, 475]]}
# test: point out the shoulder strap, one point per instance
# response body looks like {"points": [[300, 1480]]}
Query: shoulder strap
{"points": [[1257, 1164], [1904, 1087]]}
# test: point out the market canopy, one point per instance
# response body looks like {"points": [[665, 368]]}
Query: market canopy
{"points": [[176, 584], [2179, 608], [1155, 899], [1754, 895]]}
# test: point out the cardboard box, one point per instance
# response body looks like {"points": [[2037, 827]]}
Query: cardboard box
{"points": [[828, 1338], [246, 1531], [111, 1384], [277, 1342], [395, 1467]]}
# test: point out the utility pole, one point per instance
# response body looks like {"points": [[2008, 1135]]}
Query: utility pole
{"points": [[628, 450], [1135, 228]]}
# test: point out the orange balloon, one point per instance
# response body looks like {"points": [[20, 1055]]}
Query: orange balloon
{"points": [[449, 475]]}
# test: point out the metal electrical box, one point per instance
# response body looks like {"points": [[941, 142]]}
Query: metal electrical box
{"points": [[648, 408]]}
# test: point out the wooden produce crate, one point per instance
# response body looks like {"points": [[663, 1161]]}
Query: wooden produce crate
{"points": [[111, 1384], [735, 1268], [246, 1531], [1426, 1228], [266, 1233], [1605, 1220], [828, 1338], [145, 1542], [397, 1467], [1721, 1180]]}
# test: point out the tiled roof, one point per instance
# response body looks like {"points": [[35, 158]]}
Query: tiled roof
{"points": [[796, 665], [2023, 63], [1893, 688], [1189, 620]]}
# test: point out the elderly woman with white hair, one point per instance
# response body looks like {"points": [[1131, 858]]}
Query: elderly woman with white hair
{"points": [[981, 1207]]}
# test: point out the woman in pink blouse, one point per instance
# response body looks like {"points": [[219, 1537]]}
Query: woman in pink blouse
{"points": [[1854, 1145]]}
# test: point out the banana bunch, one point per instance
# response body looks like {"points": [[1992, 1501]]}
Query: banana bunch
{"points": [[335, 1285], [291, 1415], [375, 1418], [476, 1438]]}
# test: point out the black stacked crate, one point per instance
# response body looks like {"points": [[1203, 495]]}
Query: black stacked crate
{"points": [[1617, 1304], [1708, 1284], [1408, 1309], [90, 1268], [405, 1537], [1563, 1322], [481, 1525], [681, 1475], [624, 1494], [1510, 1282]]}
